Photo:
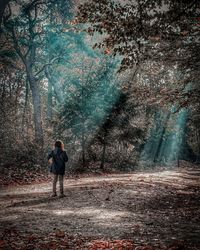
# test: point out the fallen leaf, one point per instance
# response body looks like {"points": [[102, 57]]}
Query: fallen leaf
{"points": [[59, 233]]}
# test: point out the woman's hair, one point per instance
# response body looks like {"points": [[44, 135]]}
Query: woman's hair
{"points": [[59, 144]]}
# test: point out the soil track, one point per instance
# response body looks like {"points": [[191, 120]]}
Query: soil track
{"points": [[153, 208]]}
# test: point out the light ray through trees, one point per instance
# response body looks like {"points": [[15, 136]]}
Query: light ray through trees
{"points": [[87, 108], [167, 139]]}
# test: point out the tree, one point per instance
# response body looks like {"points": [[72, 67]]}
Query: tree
{"points": [[24, 33], [27, 32], [3, 4], [148, 31]]}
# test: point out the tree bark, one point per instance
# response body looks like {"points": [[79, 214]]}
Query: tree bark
{"points": [[162, 133], [57, 89], [37, 107], [49, 102], [103, 156], [83, 148], [25, 108], [198, 145], [3, 4]]}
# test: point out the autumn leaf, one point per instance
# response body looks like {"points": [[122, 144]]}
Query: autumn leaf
{"points": [[155, 38], [2, 243], [59, 233], [107, 51], [185, 33]]}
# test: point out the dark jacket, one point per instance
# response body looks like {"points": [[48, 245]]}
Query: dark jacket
{"points": [[59, 158]]}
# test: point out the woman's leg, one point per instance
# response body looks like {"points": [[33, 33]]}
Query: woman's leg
{"points": [[61, 180], [55, 179]]}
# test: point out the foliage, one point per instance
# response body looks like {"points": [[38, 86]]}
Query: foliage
{"points": [[144, 32], [70, 85]]}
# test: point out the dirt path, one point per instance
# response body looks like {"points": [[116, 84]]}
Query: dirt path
{"points": [[157, 209]]}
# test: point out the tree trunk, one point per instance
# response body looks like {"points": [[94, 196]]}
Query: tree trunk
{"points": [[24, 123], [49, 102], [178, 162], [83, 148], [198, 146], [37, 107], [55, 85], [160, 141], [103, 156], [3, 4]]}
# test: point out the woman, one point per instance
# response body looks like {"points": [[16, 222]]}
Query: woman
{"points": [[57, 159]]}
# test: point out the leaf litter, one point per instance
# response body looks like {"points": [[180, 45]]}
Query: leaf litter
{"points": [[140, 211]]}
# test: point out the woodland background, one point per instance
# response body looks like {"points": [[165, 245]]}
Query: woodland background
{"points": [[118, 82]]}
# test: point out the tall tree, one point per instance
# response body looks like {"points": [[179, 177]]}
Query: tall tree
{"points": [[26, 25], [24, 33]]}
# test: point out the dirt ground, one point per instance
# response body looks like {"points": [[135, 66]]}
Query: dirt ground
{"points": [[143, 210]]}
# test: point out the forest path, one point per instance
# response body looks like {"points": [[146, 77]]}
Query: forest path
{"points": [[156, 208]]}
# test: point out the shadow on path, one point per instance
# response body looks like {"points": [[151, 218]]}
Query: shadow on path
{"points": [[160, 206]]}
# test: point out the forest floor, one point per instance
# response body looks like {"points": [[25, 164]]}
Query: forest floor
{"points": [[139, 211]]}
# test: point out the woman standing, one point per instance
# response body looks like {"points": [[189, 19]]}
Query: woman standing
{"points": [[57, 159]]}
